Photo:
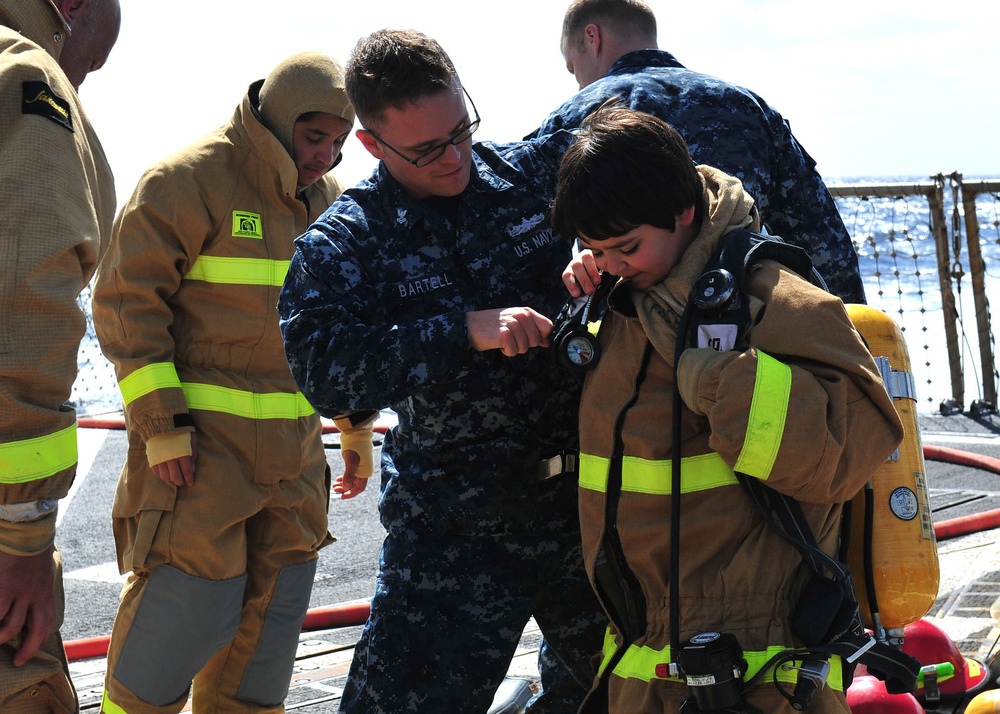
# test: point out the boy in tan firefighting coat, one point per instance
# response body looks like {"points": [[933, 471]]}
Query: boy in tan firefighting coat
{"points": [[802, 408], [57, 204], [222, 505]]}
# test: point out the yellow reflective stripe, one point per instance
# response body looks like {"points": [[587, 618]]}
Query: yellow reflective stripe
{"points": [[162, 375], [38, 458], [768, 411], [239, 271], [698, 473], [251, 405], [641, 663], [109, 707], [159, 375]]}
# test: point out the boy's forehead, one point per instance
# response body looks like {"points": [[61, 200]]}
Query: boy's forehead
{"points": [[610, 242]]}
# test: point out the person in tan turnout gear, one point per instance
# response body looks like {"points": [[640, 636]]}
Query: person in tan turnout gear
{"points": [[221, 507], [57, 204], [795, 402]]}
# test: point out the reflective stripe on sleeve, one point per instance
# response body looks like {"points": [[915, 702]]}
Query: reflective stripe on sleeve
{"points": [[239, 271], [239, 402], [698, 473], [38, 458], [159, 375], [768, 412]]}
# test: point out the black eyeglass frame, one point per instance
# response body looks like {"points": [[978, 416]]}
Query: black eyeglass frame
{"points": [[436, 152]]}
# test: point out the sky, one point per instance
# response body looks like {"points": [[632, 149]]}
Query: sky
{"points": [[873, 88]]}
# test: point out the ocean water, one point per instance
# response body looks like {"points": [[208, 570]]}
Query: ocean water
{"points": [[899, 266], [898, 260]]}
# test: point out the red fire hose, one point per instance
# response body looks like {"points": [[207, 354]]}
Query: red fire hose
{"points": [[974, 522], [345, 614], [356, 612]]}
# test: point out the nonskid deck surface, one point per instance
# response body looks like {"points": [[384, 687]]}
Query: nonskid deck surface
{"points": [[321, 666], [970, 565]]}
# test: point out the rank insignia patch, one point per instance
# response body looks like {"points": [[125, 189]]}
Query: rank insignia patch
{"points": [[38, 98]]}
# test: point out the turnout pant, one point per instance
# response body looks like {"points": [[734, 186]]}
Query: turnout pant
{"points": [[220, 583]]}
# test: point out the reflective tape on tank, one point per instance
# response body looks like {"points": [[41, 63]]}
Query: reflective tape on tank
{"points": [[266, 678], [647, 664], [37, 458], [159, 375], [700, 473], [239, 271], [766, 423], [251, 405]]}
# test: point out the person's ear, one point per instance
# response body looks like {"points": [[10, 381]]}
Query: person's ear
{"points": [[592, 38], [371, 143], [686, 217], [72, 10]]}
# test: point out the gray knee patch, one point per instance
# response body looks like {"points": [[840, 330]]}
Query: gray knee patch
{"points": [[181, 622], [269, 671]]}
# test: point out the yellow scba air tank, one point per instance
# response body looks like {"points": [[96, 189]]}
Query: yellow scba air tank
{"points": [[895, 563]]}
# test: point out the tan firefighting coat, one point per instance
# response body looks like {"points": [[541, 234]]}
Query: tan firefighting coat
{"points": [[737, 574], [57, 202], [191, 284]]}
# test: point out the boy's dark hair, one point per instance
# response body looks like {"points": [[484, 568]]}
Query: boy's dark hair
{"points": [[626, 169], [391, 68], [631, 20]]}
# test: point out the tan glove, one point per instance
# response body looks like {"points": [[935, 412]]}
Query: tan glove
{"points": [[691, 366], [168, 446], [358, 438]]}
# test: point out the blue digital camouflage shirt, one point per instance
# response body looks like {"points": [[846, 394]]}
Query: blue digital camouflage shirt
{"points": [[733, 129], [373, 315]]}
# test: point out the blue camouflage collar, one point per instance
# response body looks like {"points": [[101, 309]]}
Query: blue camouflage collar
{"points": [[643, 58]]}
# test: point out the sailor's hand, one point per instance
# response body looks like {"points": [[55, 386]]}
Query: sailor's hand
{"points": [[26, 601], [512, 330], [581, 276]]}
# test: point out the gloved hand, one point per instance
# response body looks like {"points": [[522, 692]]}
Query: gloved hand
{"points": [[167, 446], [691, 366], [358, 438], [171, 456]]}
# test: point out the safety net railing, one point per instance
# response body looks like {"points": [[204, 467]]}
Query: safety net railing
{"points": [[929, 254]]}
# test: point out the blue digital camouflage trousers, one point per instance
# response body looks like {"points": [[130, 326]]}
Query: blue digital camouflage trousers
{"points": [[449, 610]]}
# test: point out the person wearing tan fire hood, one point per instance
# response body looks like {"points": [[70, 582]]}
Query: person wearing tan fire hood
{"points": [[221, 507]]}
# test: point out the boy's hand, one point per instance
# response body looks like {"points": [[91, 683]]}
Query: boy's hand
{"points": [[173, 465], [514, 330], [581, 276]]}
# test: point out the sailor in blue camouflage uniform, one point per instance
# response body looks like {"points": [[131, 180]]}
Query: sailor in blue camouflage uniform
{"points": [[610, 47], [401, 295]]}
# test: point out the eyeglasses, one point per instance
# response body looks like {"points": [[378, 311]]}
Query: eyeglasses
{"points": [[436, 152]]}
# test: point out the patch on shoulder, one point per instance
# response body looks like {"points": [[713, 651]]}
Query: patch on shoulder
{"points": [[38, 98]]}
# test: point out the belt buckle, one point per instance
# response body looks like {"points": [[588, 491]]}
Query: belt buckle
{"points": [[555, 465]]}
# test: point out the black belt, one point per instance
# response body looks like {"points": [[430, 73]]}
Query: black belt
{"points": [[561, 463]]}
